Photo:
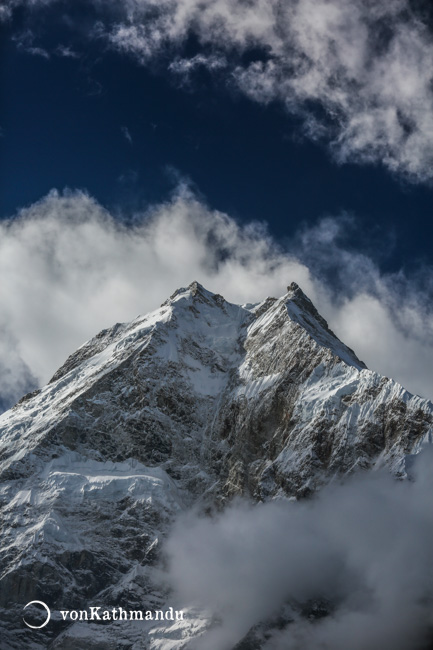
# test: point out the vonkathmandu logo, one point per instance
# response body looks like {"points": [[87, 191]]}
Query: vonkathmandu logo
{"points": [[98, 613], [47, 609]]}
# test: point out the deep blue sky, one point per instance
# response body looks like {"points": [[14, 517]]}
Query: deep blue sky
{"points": [[62, 122]]}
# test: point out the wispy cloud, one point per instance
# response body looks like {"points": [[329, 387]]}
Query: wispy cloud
{"points": [[88, 271], [357, 74], [5, 11], [186, 67], [128, 177], [25, 42], [66, 52], [126, 133]]}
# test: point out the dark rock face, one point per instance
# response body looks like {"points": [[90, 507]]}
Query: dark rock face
{"points": [[196, 403]]}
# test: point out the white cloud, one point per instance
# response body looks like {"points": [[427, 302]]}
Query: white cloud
{"points": [[185, 67], [357, 73], [72, 270], [365, 548]]}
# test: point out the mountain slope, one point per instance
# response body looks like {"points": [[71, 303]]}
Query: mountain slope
{"points": [[196, 402]]}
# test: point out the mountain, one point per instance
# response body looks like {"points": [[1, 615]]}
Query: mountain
{"points": [[190, 405]]}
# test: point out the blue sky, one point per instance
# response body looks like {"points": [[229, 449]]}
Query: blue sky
{"points": [[313, 118]]}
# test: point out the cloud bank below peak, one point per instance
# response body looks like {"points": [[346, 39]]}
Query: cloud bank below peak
{"points": [[357, 75], [74, 269], [362, 550]]}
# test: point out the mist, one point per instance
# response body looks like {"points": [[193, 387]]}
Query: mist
{"points": [[364, 547]]}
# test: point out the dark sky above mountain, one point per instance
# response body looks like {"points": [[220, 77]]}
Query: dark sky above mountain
{"points": [[312, 117]]}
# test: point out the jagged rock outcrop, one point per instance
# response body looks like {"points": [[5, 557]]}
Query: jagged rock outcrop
{"points": [[198, 401]]}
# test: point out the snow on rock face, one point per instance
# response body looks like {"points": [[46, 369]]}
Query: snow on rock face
{"points": [[196, 402]]}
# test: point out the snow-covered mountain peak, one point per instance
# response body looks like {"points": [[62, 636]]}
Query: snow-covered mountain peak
{"points": [[294, 303], [195, 402], [301, 310], [194, 292]]}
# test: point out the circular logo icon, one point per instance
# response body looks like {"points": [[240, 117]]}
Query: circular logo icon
{"points": [[38, 602]]}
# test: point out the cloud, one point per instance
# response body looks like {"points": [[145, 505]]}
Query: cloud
{"points": [[126, 134], [185, 68], [73, 269], [386, 318], [25, 43], [364, 549], [357, 74], [16, 378], [66, 52], [128, 178]]}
